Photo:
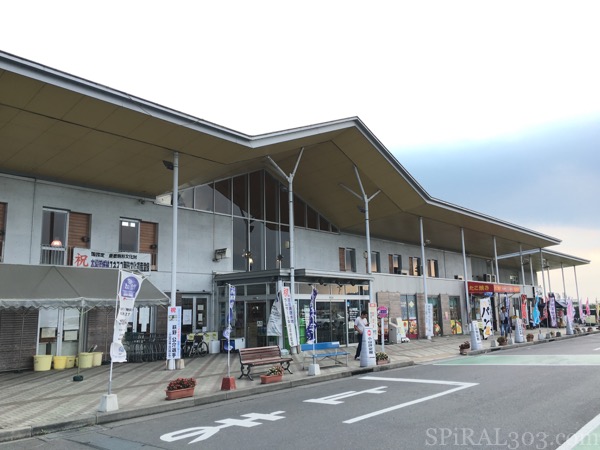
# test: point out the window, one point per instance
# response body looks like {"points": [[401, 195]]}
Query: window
{"points": [[414, 266], [54, 237], [395, 264], [129, 236], [432, 268], [347, 259], [375, 262]]}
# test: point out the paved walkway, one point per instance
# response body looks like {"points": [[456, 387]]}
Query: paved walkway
{"points": [[34, 403]]}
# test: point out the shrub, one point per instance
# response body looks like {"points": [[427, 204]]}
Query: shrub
{"points": [[181, 383]]}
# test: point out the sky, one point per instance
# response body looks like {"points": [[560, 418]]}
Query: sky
{"points": [[493, 106]]}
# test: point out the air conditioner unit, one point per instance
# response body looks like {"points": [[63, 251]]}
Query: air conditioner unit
{"points": [[404, 272], [490, 278], [459, 277], [221, 253]]}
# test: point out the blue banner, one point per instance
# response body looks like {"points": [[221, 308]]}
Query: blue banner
{"points": [[311, 326]]}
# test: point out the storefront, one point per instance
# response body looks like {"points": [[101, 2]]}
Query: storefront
{"points": [[486, 300]]}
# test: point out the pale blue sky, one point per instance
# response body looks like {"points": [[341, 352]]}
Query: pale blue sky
{"points": [[494, 106]]}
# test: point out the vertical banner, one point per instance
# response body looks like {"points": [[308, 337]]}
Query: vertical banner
{"points": [[311, 325], [486, 316], [552, 308], [428, 320], [290, 317], [524, 314], [372, 316], [174, 332], [227, 330], [535, 315], [129, 287], [570, 310], [581, 315], [274, 322]]}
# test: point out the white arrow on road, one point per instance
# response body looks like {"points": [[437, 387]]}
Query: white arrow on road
{"points": [[336, 399]]}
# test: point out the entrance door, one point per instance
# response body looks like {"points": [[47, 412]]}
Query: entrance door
{"points": [[437, 315], [256, 324], [58, 331]]}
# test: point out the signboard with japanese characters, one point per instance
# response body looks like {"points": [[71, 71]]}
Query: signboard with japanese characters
{"points": [[86, 258], [173, 332]]}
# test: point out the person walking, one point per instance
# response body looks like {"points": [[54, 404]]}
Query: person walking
{"points": [[359, 326], [504, 322]]}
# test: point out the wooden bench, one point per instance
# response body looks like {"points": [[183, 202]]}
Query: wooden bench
{"points": [[322, 351], [262, 356]]}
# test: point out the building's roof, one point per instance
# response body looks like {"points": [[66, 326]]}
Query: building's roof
{"points": [[55, 126]]}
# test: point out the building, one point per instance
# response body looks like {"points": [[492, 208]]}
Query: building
{"points": [[87, 172]]}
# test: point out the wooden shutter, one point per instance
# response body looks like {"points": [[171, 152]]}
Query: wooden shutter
{"points": [[149, 241], [79, 233], [342, 259], [391, 263]]}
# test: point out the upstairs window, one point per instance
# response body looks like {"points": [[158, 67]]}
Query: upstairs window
{"points": [[414, 266], [347, 259], [375, 262], [129, 236], [432, 268], [395, 264]]}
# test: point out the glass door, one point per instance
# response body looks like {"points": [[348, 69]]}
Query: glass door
{"points": [[58, 331], [455, 320], [256, 324], [437, 315]]}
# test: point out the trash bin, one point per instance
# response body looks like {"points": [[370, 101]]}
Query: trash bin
{"points": [[214, 346], [85, 360], [42, 362], [59, 362], [70, 362], [96, 359]]}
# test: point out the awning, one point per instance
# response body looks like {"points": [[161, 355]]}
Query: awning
{"points": [[32, 286]]}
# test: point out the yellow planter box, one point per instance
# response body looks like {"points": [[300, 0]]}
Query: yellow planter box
{"points": [[96, 359], [59, 362], [70, 362], [85, 360], [42, 362]]}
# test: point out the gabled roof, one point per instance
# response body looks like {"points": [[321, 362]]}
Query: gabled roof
{"points": [[55, 126]]}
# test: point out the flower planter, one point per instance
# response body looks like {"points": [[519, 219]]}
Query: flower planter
{"points": [[42, 362], [180, 393], [464, 351], [266, 379], [59, 362], [380, 362]]}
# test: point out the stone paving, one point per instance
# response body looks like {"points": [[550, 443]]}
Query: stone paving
{"points": [[38, 402]]}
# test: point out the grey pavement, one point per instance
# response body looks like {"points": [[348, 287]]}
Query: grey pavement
{"points": [[36, 403]]}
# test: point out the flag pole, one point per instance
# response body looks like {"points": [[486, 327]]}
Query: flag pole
{"points": [[116, 311]]}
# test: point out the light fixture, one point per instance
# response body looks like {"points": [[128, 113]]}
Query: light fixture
{"points": [[427, 242], [85, 239], [287, 244], [280, 257], [153, 246], [168, 164], [56, 243]]}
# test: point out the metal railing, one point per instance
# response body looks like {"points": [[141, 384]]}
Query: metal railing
{"points": [[56, 256]]}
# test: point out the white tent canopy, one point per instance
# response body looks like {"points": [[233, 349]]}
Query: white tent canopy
{"points": [[31, 286]]}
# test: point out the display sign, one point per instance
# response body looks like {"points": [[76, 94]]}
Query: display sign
{"points": [[173, 332], [485, 312], [476, 288], [429, 320], [290, 317], [86, 258], [367, 354], [129, 288], [382, 311]]}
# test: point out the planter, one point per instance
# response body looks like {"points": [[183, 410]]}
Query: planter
{"points": [[59, 362], [464, 351], [70, 362], [85, 360], [180, 393], [96, 359], [383, 361], [42, 362], [530, 339], [266, 379]]}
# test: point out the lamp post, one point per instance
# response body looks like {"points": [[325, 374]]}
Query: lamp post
{"points": [[174, 166]]}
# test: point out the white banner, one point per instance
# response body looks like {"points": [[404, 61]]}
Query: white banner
{"points": [[274, 323], [486, 316], [84, 257], [290, 317], [173, 332], [428, 320], [129, 287]]}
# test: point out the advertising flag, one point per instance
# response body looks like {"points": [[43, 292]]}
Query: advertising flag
{"points": [[536, 312], [129, 288], [587, 307], [274, 322], [570, 310], [311, 326], [552, 307]]}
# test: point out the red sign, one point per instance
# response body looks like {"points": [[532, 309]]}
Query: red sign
{"points": [[481, 288], [382, 311]]}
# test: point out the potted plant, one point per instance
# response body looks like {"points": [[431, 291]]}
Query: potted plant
{"points": [[501, 340], [180, 388], [382, 358], [464, 348], [529, 337], [274, 374]]}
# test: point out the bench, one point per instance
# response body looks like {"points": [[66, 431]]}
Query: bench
{"points": [[262, 356], [322, 351]]}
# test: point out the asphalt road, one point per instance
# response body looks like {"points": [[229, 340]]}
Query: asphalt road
{"points": [[530, 397]]}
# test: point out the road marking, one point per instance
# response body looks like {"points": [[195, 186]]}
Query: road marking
{"points": [[459, 386], [588, 436], [336, 399], [597, 349], [524, 360], [204, 433]]}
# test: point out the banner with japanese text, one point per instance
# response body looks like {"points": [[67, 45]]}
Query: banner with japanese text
{"points": [[290, 316], [129, 288], [174, 332]]}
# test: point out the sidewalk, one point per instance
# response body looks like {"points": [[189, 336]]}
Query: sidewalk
{"points": [[34, 403]]}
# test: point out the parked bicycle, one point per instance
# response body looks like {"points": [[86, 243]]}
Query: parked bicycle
{"points": [[195, 345]]}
